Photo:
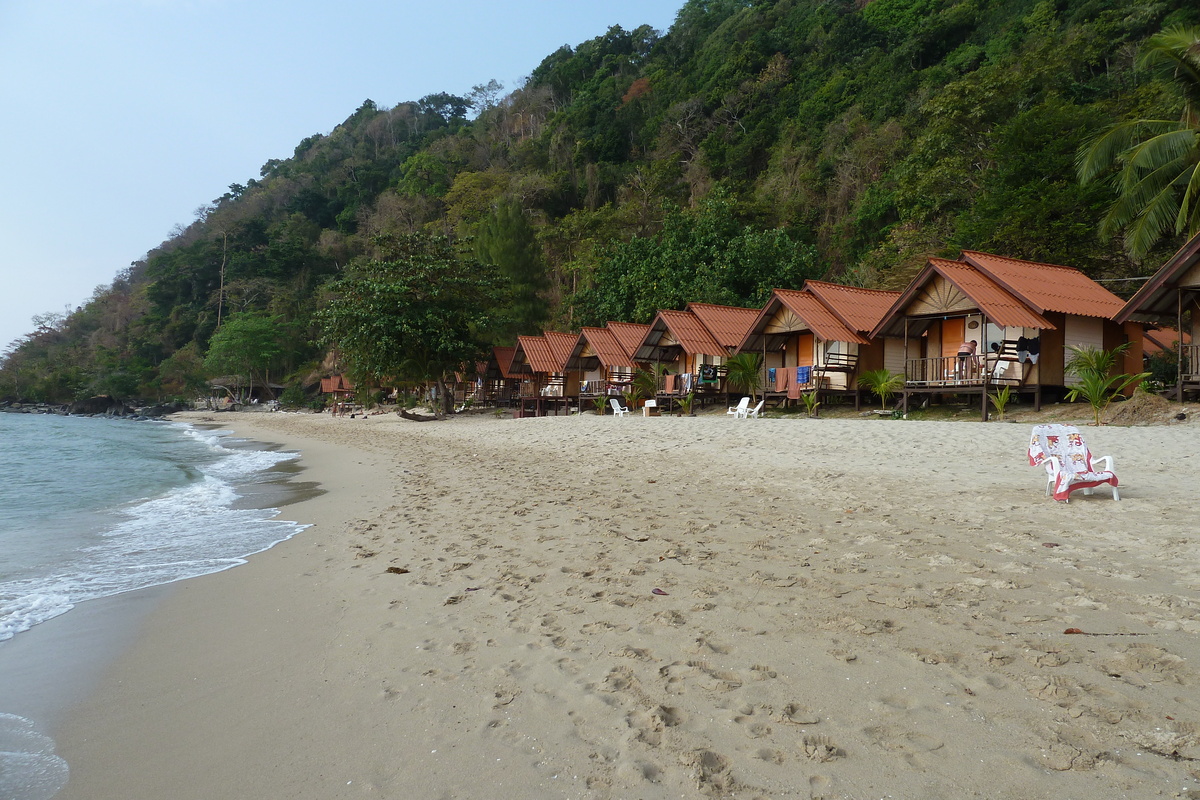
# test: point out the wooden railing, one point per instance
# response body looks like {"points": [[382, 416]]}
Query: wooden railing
{"points": [[944, 371], [952, 371], [1191, 362]]}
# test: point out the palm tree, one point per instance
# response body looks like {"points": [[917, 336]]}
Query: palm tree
{"points": [[1097, 385], [882, 383], [744, 371], [1157, 183]]}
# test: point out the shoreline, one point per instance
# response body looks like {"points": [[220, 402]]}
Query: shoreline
{"points": [[839, 609], [51, 667]]}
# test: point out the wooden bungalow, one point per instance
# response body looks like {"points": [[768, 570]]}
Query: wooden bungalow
{"points": [[1021, 315], [500, 385], [544, 365], [691, 355], [606, 367], [1172, 298], [817, 339]]}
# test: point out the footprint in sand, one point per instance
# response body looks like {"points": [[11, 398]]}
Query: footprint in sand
{"points": [[820, 748]]}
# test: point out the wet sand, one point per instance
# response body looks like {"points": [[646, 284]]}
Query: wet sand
{"points": [[675, 607]]}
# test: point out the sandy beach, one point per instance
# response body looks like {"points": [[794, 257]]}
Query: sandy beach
{"points": [[587, 607]]}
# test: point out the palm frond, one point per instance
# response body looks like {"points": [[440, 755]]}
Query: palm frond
{"points": [[1098, 154], [1156, 220], [1189, 206], [1175, 55], [1163, 148], [1134, 198]]}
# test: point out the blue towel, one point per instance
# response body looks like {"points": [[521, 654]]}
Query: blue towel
{"points": [[771, 374], [803, 375]]}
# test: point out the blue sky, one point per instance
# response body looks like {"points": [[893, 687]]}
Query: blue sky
{"points": [[121, 117]]}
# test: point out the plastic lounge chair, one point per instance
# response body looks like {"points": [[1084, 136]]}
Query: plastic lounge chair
{"points": [[754, 412], [1069, 464], [616, 407], [739, 411]]}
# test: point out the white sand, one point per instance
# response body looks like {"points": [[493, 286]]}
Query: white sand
{"points": [[854, 609]]}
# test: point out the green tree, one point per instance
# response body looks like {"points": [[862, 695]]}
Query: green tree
{"points": [[421, 305], [246, 345], [507, 240], [1157, 183]]}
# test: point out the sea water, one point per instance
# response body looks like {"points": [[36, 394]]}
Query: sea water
{"points": [[91, 508]]}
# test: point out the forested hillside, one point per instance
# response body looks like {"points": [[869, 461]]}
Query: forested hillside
{"points": [[753, 145]]}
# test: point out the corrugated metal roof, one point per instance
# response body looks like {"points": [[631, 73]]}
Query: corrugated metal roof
{"points": [[562, 345], [629, 335], [685, 328], [727, 324], [1163, 339], [996, 302], [1157, 296], [503, 357], [1048, 287], [816, 316], [535, 352], [336, 383], [999, 305], [607, 349], [859, 309]]}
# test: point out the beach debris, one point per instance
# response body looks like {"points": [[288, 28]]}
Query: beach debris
{"points": [[1073, 630], [1051, 544], [397, 570], [656, 590], [638, 538]]}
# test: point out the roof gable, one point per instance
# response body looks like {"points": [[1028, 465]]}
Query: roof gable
{"points": [[1157, 297], [956, 287], [534, 354], [809, 309], [604, 347]]}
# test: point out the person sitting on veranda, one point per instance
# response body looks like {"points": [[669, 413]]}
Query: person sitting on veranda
{"points": [[966, 352]]}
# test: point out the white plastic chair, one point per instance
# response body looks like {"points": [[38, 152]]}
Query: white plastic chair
{"points": [[616, 407], [754, 412], [1069, 463], [739, 411]]}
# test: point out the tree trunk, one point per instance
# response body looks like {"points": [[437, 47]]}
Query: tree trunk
{"points": [[446, 397]]}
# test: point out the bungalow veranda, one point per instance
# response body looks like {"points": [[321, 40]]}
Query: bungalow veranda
{"points": [[1022, 317]]}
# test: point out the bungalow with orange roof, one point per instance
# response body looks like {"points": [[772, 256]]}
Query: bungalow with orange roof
{"points": [[692, 357], [544, 364], [1172, 298], [607, 368], [817, 338], [985, 321], [500, 385]]}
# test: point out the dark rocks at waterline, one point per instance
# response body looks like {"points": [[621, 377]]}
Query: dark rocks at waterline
{"points": [[32, 408], [101, 406]]}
